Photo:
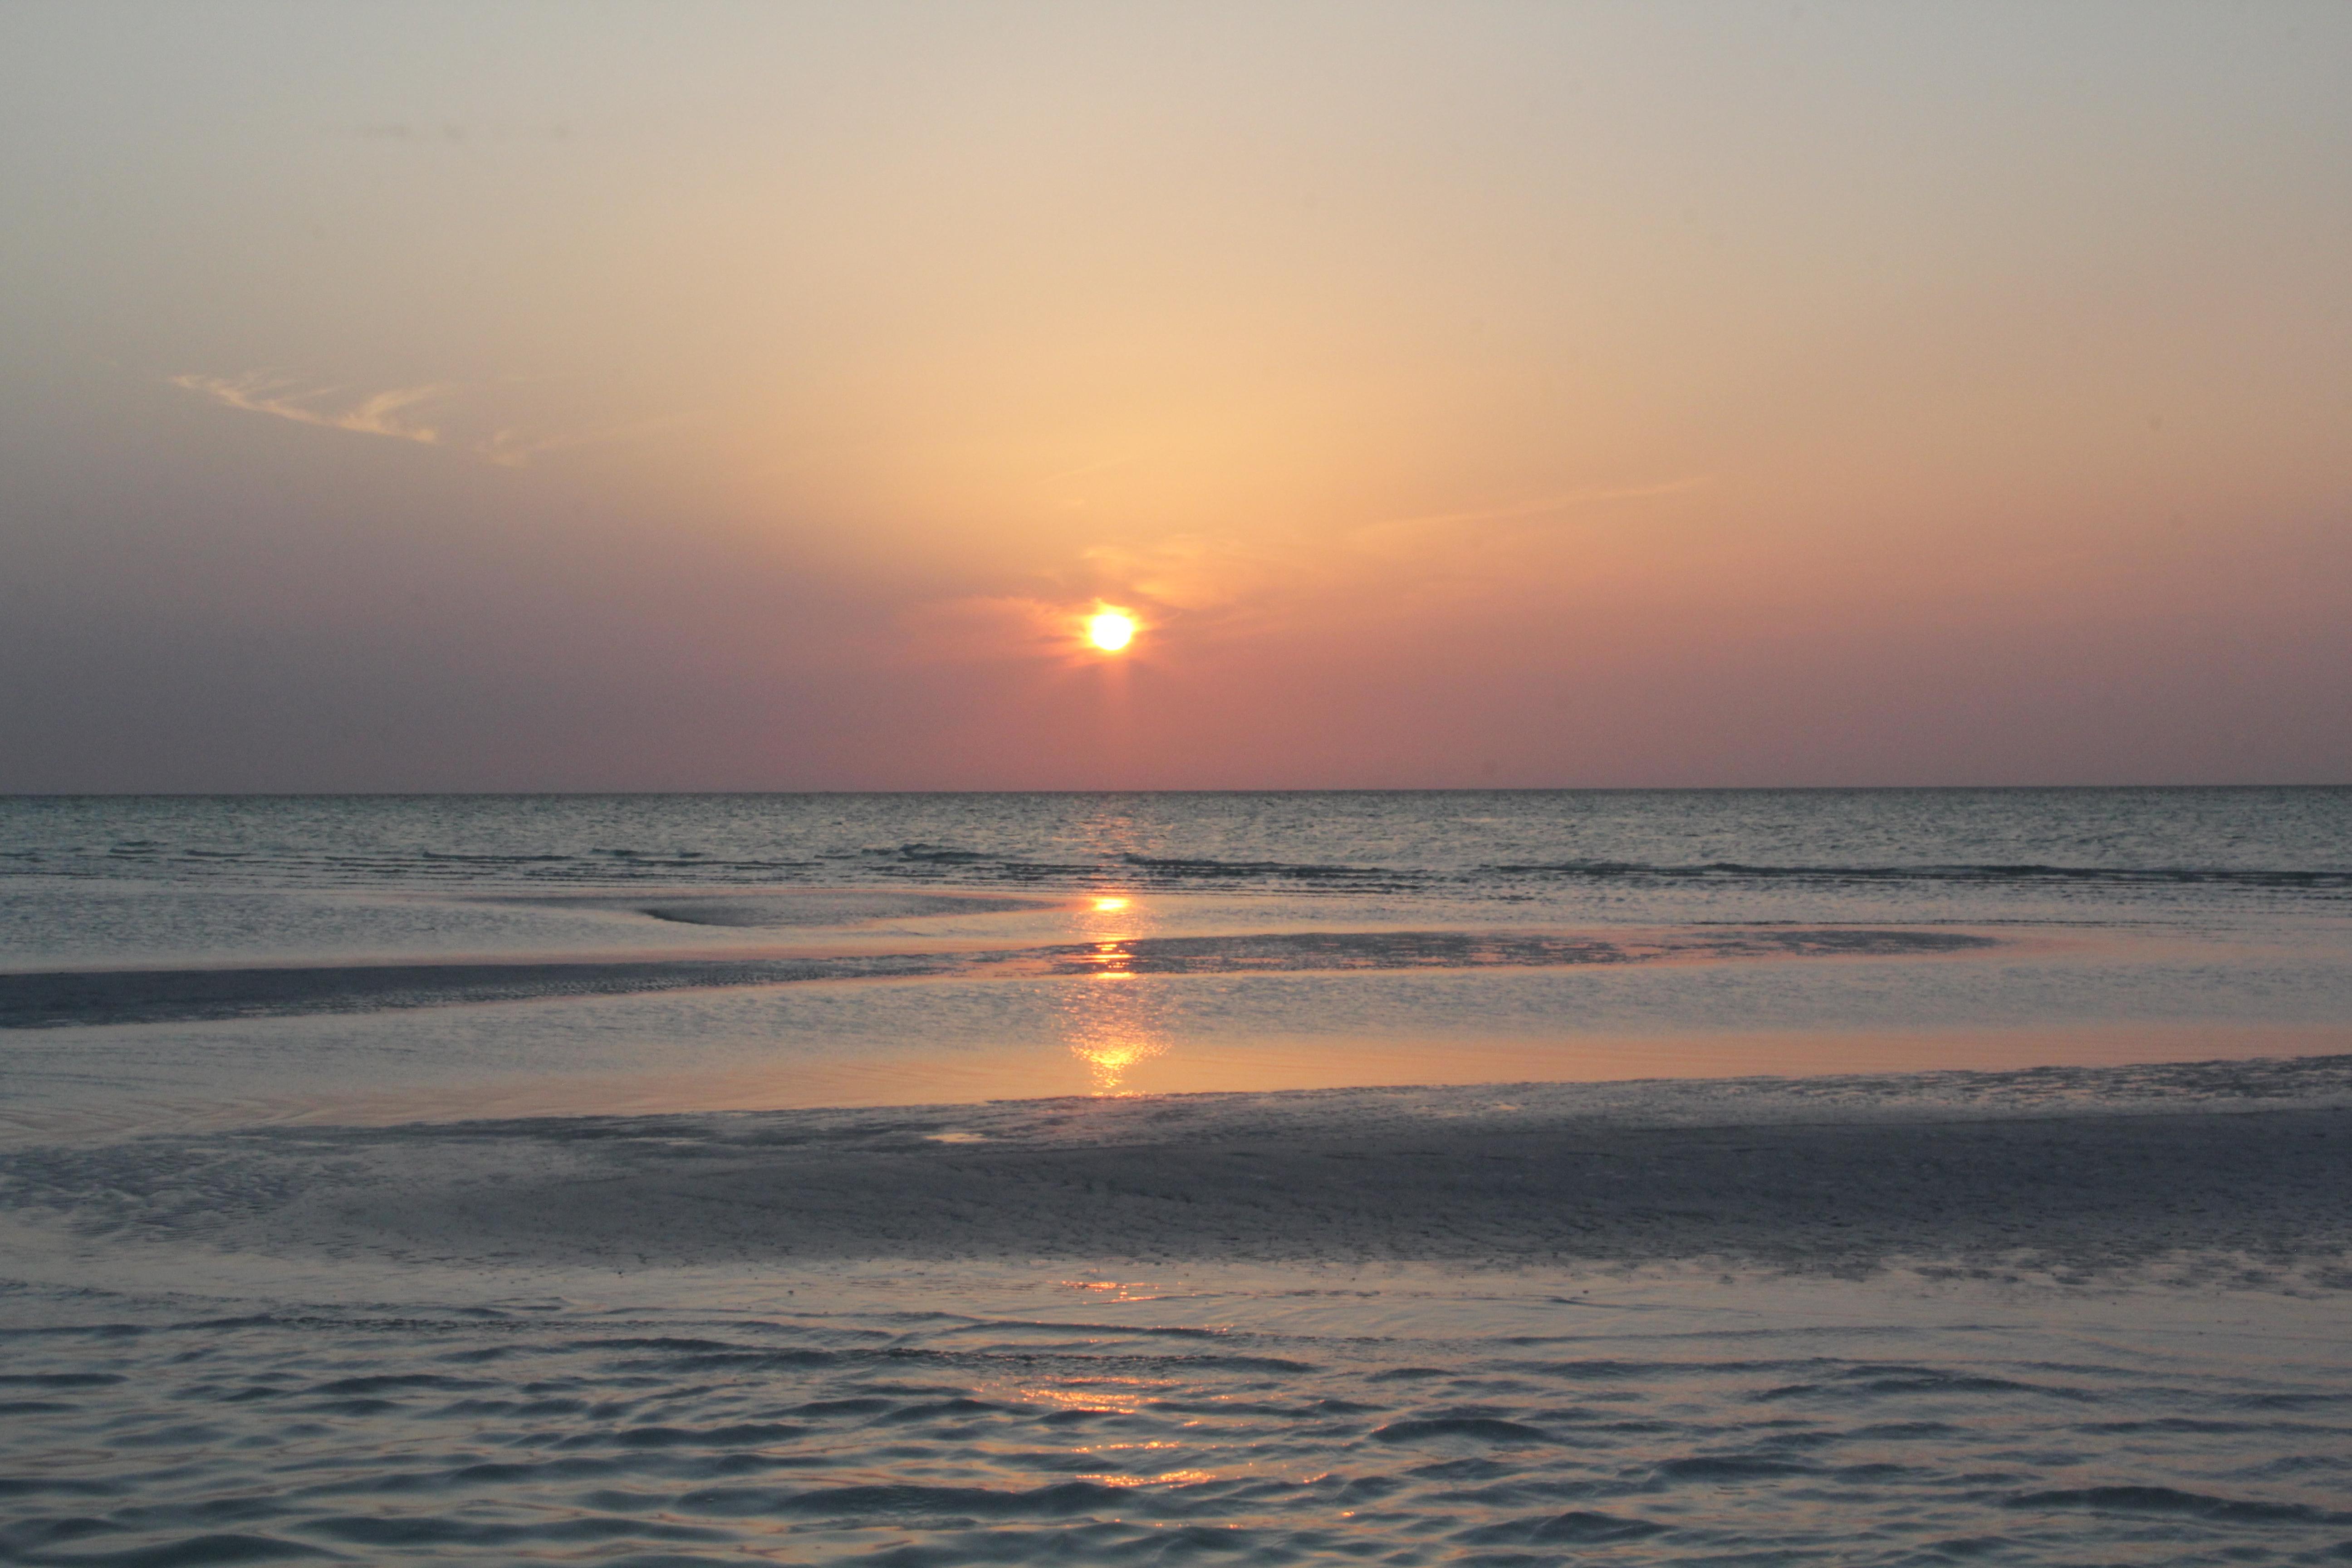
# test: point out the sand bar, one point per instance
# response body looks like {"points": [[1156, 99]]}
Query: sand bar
{"points": [[2225, 1169]]}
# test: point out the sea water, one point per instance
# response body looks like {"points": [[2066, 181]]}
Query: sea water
{"points": [[935, 935], [179, 977]]}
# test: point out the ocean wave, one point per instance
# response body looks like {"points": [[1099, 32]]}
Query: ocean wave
{"points": [[949, 865], [931, 854], [2171, 1502], [1908, 1383], [2122, 876], [1708, 1468], [2255, 842], [1576, 1528], [210, 1551], [1181, 867], [1481, 1428], [1058, 1500]]}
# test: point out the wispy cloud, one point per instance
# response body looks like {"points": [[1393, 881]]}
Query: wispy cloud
{"points": [[394, 414], [1189, 572], [375, 414], [1402, 528], [1223, 586], [515, 448], [1101, 465]]}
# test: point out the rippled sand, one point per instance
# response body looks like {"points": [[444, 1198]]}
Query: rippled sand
{"points": [[2073, 1170], [2054, 1316]]}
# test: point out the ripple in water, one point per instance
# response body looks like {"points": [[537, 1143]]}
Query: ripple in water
{"points": [[950, 1438]]}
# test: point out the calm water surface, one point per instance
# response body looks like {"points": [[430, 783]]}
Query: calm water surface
{"points": [[1262, 941], [191, 967]]}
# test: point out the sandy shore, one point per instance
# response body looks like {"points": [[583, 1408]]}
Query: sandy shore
{"points": [[2197, 1172]]}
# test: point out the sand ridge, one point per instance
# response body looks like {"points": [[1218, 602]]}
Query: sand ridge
{"points": [[2206, 1167]]}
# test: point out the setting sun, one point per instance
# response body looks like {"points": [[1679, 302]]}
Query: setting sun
{"points": [[1111, 631]]}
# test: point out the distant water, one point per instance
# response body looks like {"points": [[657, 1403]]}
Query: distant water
{"points": [[692, 916], [1526, 844], [178, 973]]}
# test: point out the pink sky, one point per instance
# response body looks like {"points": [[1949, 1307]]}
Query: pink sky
{"points": [[754, 397]]}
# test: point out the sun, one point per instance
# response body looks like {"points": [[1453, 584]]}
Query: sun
{"points": [[1110, 630]]}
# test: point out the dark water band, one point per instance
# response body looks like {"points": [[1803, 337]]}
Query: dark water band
{"points": [[66, 998]]}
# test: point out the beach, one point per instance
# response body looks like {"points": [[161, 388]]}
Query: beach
{"points": [[962, 785], [1003, 1205], [2201, 1170], [2046, 1312]]}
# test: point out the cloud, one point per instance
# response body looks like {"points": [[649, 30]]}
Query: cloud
{"points": [[514, 448], [1189, 572], [390, 414], [1408, 532], [1197, 587], [1202, 573], [378, 414], [987, 626]]}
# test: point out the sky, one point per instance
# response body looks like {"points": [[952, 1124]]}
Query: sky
{"points": [[589, 396]]}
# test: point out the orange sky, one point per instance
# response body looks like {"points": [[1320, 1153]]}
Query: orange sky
{"points": [[720, 396]]}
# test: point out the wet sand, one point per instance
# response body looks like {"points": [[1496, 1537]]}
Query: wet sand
{"points": [[2057, 1315], [2194, 1173]]}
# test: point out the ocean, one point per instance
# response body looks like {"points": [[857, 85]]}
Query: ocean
{"points": [[1897, 1177]]}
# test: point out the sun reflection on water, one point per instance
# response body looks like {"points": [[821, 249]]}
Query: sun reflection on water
{"points": [[1110, 1039], [1111, 1028], [1103, 1395], [1164, 1479]]}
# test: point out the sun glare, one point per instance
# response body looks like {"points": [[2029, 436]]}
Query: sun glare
{"points": [[1111, 631]]}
